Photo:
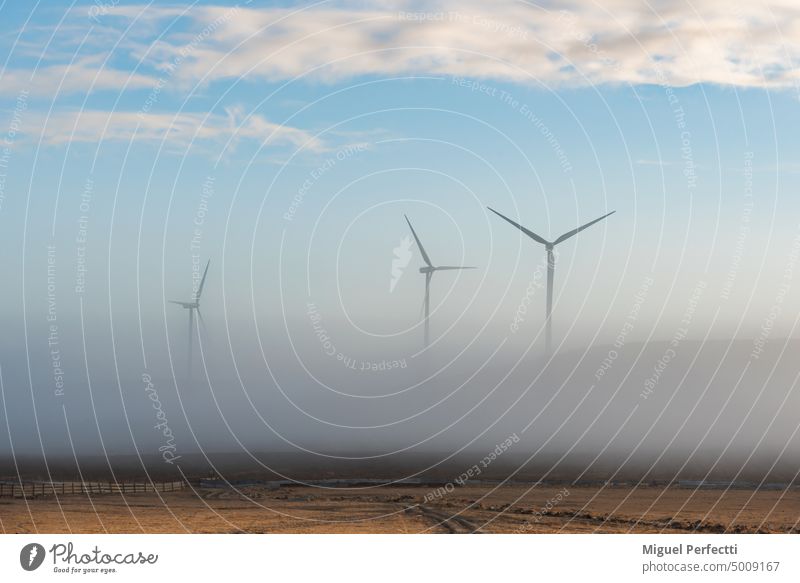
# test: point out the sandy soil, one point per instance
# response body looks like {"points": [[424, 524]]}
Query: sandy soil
{"points": [[410, 509]]}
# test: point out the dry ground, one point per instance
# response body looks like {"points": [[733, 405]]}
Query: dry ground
{"points": [[403, 509]]}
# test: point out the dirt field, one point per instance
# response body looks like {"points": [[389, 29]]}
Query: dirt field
{"points": [[410, 509]]}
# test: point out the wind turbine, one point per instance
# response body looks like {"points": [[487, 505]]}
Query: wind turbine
{"points": [[192, 307], [429, 270], [551, 265]]}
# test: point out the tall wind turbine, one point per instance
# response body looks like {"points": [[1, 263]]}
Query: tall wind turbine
{"points": [[192, 307], [429, 270], [551, 265]]}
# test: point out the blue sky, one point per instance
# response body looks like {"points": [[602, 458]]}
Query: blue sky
{"points": [[441, 107], [320, 125]]}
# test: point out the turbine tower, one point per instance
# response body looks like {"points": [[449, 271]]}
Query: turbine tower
{"points": [[551, 265], [192, 307], [429, 270]]}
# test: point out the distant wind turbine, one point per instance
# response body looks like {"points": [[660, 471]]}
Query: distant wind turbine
{"points": [[551, 265], [192, 307], [429, 270]]}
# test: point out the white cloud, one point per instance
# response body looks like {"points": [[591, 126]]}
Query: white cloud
{"points": [[754, 44], [709, 41], [178, 130], [84, 75]]}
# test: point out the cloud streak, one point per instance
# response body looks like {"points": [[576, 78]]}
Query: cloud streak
{"points": [[84, 75], [180, 130], [177, 50], [753, 45]]}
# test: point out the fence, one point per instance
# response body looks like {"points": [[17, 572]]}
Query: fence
{"points": [[18, 489]]}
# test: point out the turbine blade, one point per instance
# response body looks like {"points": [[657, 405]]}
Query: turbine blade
{"points": [[200, 317], [449, 267], [566, 236], [202, 281], [421, 248], [530, 234]]}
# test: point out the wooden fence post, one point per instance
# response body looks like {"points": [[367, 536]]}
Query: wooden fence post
{"points": [[33, 489]]}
